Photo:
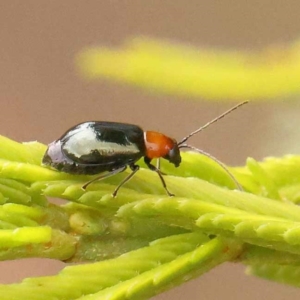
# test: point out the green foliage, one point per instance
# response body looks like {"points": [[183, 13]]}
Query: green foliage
{"points": [[176, 69], [144, 242]]}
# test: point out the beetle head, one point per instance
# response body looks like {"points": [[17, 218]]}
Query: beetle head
{"points": [[173, 155]]}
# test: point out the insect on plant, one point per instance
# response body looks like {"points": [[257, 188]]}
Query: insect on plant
{"points": [[96, 147]]}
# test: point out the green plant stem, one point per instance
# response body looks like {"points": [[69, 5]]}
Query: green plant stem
{"points": [[85, 279]]}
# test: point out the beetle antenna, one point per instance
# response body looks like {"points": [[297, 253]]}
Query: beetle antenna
{"points": [[211, 122], [217, 161]]}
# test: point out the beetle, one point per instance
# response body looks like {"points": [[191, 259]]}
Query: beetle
{"points": [[96, 147]]}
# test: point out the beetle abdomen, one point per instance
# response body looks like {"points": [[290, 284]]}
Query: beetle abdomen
{"points": [[95, 147]]}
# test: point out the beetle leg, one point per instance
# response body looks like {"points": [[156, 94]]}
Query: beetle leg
{"points": [[153, 168], [158, 163], [158, 166], [134, 169], [116, 171]]}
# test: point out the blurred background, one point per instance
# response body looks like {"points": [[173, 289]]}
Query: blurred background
{"points": [[42, 94]]}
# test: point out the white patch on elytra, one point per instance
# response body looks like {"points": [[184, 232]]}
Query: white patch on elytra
{"points": [[82, 141]]}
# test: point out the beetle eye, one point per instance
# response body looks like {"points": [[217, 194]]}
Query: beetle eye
{"points": [[173, 156]]}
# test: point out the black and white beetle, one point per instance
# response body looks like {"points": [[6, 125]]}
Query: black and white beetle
{"points": [[95, 147]]}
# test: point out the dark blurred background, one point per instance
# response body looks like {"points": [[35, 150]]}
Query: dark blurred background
{"points": [[42, 94]]}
